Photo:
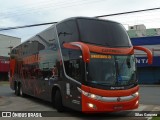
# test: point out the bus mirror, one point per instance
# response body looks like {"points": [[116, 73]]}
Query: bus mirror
{"points": [[149, 53], [78, 45]]}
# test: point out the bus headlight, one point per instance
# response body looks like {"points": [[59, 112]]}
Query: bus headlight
{"points": [[93, 96], [135, 94], [90, 95]]}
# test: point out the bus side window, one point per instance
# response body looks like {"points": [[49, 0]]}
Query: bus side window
{"points": [[73, 69]]}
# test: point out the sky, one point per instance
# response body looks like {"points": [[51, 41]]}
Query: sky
{"points": [[25, 12]]}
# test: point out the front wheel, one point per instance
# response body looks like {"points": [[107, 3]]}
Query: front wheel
{"points": [[58, 102]]}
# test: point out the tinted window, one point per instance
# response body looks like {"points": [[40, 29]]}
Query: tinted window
{"points": [[74, 69], [104, 33], [111, 70], [67, 31], [48, 64], [101, 70], [73, 63]]}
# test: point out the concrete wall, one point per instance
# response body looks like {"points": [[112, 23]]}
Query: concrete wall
{"points": [[6, 42]]}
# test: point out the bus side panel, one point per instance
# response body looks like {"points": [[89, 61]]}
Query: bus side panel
{"points": [[70, 95]]}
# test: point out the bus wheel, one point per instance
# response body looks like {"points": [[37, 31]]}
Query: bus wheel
{"points": [[58, 101], [21, 91], [17, 92], [15, 87]]}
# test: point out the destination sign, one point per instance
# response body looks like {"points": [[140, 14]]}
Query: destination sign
{"points": [[101, 56]]}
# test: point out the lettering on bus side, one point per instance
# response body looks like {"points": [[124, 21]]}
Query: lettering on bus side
{"points": [[110, 50], [31, 59]]}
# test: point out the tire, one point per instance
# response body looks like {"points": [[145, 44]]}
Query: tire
{"points": [[58, 101], [21, 91], [17, 90]]}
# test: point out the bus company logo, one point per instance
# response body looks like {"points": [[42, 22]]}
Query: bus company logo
{"points": [[110, 51], [6, 114]]}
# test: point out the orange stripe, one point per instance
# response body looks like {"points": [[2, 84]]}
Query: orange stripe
{"points": [[149, 53], [84, 48], [106, 50], [99, 49]]}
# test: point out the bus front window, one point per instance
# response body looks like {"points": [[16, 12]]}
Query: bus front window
{"points": [[126, 69], [101, 70], [111, 70], [103, 33]]}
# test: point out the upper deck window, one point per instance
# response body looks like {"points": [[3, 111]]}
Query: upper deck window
{"points": [[105, 33], [67, 31]]}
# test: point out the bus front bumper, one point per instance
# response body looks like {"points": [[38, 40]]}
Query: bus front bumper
{"points": [[91, 105]]}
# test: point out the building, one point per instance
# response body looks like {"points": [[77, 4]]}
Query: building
{"points": [[6, 44], [150, 38]]}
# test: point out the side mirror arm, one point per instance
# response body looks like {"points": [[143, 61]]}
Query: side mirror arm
{"points": [[149, 53], [79, 45]]}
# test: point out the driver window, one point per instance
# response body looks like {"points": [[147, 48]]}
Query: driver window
{"points": [[74, 65]]}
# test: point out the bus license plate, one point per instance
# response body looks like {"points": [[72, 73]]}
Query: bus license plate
{"points": [[118, 107]]}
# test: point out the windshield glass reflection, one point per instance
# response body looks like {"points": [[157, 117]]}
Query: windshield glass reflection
{"points": [[111, 70]]}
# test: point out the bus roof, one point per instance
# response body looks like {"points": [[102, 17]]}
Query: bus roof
{"points": [[65, 20]]}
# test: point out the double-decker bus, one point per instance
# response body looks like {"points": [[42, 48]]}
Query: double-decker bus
{"points": [[85, 64]]}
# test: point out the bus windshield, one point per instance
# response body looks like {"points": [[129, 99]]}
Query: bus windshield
{"points": [[104, 33], [111, 70]]}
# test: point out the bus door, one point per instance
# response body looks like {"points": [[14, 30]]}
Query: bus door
{"points": [[74, 68], [77, 72]]}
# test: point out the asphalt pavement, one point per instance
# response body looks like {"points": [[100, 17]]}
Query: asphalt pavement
{"points": [[149, 101], [150, 94]]}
